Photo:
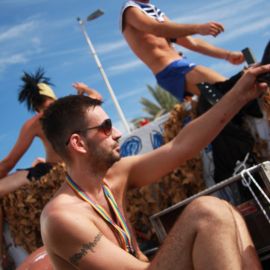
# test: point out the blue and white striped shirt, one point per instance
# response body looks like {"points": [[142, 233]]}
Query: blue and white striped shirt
{"points": [[148, 8]]}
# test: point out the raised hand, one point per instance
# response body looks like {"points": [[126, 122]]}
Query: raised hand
{"points": [[248, 85], [235, 57], [211, 28], [82, 89]]}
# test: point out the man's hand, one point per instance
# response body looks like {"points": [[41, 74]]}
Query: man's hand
{"points": [[248, 84], [82, 88], [211, 28], [37, 161], [235, 58]]}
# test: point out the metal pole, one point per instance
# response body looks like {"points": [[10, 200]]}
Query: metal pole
{"points": [[214, 188], [104, 76]]}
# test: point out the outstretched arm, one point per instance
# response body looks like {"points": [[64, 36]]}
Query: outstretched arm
{"points": [[135, 18], [82, 88], [150, 167], [201, 46], [23, 142]]}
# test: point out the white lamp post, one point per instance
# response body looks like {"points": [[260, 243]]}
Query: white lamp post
{"points": [[91, 17]]}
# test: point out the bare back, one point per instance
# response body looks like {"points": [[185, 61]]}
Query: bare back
{"points": [[29, 131], [51, 155]]}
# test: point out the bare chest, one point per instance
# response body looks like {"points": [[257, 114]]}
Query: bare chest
{"points": [[107, 220], [154, 51]]}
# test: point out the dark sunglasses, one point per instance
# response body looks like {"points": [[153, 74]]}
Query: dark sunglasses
{"points": [[105, 127]]}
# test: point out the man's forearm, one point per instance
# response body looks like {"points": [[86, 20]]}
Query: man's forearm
{"points": [[173, 30], [203, 47], [201, 131]]}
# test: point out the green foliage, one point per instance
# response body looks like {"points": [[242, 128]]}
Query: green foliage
{"points": [[162, 104]]}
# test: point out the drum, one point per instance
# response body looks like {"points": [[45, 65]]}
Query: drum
{"points": [[38, 260]]}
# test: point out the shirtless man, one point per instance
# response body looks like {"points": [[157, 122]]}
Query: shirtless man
{"points": [[150, 34], [85, 225], [38, 95]]}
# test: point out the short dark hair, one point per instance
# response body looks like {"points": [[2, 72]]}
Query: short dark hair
{"points": [[63, 117]]}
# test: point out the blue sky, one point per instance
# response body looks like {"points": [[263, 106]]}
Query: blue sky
{"points": [[43, 33]]}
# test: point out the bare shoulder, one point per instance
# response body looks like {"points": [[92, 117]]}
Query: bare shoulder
{"points": [[57, 213], [72, 237], [135, 17], [65, 229], [131, 11], [66, 216]]}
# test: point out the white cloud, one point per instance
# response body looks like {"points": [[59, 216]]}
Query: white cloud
{"points": [[127, 94], [112, 46], [219, 11], [11, 60], [247, 29], [241, 18], [236, 25], [18, 31], [117, 69], [18, 43]]}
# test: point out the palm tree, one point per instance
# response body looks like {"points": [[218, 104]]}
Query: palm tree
{"points": [[163, 103]]}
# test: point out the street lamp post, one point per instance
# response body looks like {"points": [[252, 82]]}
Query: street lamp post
{"points": [[91, 17]]}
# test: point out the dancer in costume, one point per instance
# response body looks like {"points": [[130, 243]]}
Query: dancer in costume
{"points": [[38, 95], [150, 34], [25, 192]]}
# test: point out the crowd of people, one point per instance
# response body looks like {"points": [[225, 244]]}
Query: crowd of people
{"points": [[83, 219]]}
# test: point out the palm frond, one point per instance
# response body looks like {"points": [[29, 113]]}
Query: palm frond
{"points": [[163, 103]]}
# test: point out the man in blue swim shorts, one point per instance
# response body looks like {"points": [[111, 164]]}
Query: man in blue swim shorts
{"points": [[150, 35]]}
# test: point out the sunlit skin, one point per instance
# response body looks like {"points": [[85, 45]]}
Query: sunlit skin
{"points": [[77, 237], [148, 39]]}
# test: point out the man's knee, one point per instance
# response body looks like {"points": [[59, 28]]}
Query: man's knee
{"points": [[207, 210]]}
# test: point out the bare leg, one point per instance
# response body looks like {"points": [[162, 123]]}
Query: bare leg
{"points": [[209, 235], [13, 182], [201, 74], [249, 255]]}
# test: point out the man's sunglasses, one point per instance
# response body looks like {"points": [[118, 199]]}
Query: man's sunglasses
{"points": [[105, 127]]}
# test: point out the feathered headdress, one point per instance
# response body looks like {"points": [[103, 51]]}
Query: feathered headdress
{"points": [[34, 88]]}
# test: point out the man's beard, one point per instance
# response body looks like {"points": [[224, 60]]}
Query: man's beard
{"points": [[102, 159]]}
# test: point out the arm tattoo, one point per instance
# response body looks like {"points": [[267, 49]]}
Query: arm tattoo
{"points": [[74, 259]]}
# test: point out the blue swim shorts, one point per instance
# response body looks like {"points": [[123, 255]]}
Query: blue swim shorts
{"points": [[172, 77]]}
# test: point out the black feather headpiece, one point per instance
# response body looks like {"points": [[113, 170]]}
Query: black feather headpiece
{"points": [[34, 88]]}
